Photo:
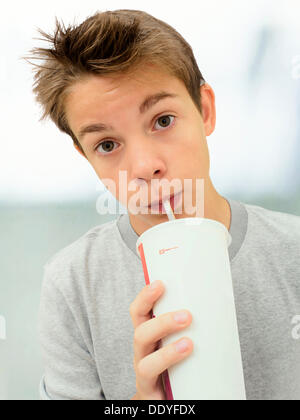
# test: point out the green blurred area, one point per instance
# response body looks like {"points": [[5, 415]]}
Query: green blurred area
{"points": [[30, 235]]}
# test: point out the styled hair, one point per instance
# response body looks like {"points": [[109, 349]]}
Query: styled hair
{"points": [[107, 43]]}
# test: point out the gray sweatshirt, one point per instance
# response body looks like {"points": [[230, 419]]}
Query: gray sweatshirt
{"points": [[85, 328]]}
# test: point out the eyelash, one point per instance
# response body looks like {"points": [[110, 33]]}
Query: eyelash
{"points": [[103, 141]]}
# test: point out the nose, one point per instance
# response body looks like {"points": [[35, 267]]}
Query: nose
{"points": [[146, 161]]}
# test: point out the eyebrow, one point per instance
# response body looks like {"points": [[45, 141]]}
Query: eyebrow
{"points": [[148, 102]]}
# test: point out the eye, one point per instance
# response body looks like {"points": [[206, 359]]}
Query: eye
{"points": [[165, 120], [106, 144]]}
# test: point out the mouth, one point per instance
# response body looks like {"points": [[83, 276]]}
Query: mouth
{"points": [[158, 205]]}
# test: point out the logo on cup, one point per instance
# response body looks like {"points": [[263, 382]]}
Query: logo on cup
{"points": [[162, 251]]}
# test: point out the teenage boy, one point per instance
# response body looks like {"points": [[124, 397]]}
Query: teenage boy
{"points": [[128, 80]]}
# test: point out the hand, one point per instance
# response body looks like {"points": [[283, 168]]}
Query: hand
{"points": [[149, 360]]}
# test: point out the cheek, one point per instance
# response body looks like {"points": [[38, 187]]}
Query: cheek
{"points": [[109, 180], [191, 147], [194, 157]]}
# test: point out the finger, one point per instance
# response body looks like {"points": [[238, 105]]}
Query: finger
{"points": [[141, 307], [147, 334], [150, 367]]}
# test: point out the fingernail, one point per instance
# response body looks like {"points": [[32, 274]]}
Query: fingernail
{"points": [[181, 317], [182, 345], [154, 285]]}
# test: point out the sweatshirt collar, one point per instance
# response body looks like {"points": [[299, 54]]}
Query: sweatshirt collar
{"points": [[237, 230]]}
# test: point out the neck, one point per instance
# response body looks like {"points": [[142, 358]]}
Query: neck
{"points": [[216, 208]]}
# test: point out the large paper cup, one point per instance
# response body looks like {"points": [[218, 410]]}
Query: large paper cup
{"points": [[190, 256]]}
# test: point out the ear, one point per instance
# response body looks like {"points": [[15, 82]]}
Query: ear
{"points": [[79, 150], [208, 108]]}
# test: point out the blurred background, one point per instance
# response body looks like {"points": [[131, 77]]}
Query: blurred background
{"points": [[248, 51]]}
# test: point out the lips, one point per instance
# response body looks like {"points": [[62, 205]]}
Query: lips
{"points": [[174, 200], [156, 203]]}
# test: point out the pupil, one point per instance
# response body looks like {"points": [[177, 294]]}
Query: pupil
{"points": [[164, 119], [105, 144]]}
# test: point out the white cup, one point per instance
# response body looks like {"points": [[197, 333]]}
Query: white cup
{"points": [[190, 256]]}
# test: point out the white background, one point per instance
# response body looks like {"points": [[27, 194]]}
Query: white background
{"points": [[245, 50]]}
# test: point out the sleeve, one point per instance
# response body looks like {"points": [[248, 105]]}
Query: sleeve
{"points": [[70, 371]]}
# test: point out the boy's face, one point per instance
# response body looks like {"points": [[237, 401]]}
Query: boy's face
{"points": [[140, 141]]}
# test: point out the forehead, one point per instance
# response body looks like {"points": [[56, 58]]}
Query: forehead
{"points": [[94, 94], [135, 83]]}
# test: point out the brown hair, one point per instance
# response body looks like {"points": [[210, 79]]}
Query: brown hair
{"points": [[109, 42]]}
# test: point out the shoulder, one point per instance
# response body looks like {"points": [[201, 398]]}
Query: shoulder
{"points": [[72, 265], [273, 220], [276, 228]]}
